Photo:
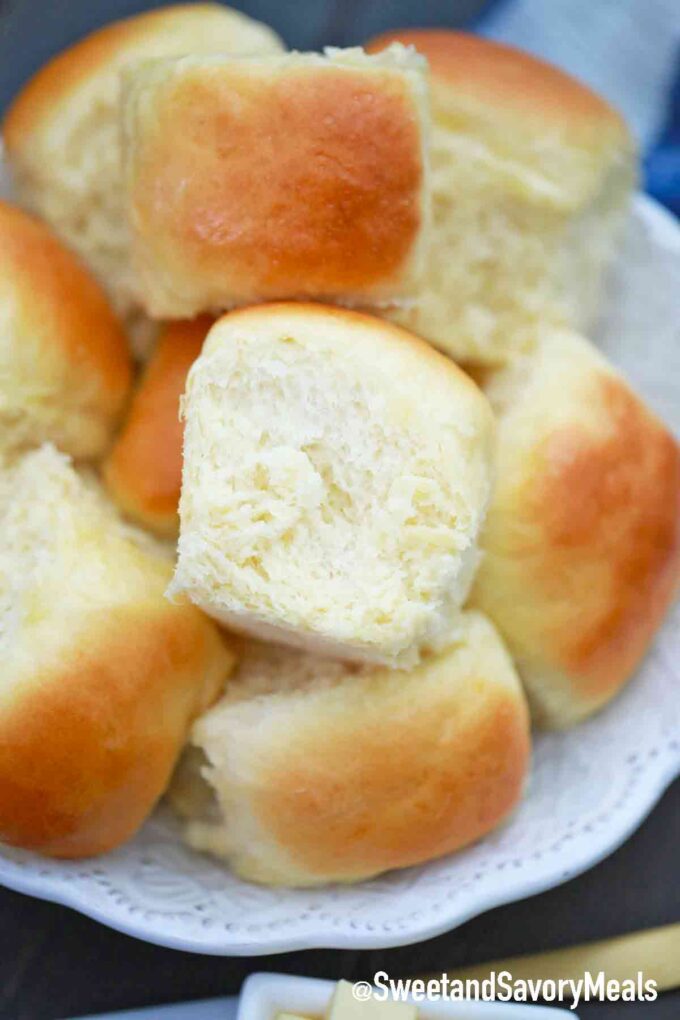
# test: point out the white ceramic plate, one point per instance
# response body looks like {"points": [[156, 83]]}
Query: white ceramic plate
{"points": [[589, 788]]}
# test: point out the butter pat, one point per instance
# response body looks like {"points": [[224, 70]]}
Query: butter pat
{"points": [[344, 1006]]}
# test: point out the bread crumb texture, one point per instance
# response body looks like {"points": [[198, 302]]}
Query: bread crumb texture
{"points": [[65, 559], [101, 675], [336, 473]]}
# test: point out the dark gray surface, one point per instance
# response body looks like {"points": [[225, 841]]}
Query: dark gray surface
{"points": [[55, 963], [33, 30]]}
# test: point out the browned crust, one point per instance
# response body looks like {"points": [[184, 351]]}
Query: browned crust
{"points": [[52, 289], [613, 501], [144, 469], [306, 182], [582, 542], [417, 787], [88, 745]]}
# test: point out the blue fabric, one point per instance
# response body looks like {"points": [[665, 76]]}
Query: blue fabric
{"points": [[662, 166], [626, 50], [487, 13]]}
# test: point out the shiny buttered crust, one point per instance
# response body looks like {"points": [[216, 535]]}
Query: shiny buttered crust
{"points": [[144, 469], [336, 474], [531, 177], [582, 541], [276, 177], [64, 364], [101, 675], [308, 771], [62, 134]]}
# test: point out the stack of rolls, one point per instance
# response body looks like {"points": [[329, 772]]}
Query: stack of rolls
{"points": [[307, 562]]}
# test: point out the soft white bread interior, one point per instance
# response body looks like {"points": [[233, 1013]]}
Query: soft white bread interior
{"points": [[336, 474], [64, 365], [581, 547], [102, 676], [285, 176], [62, 133], [309, 771], [531, 176]]}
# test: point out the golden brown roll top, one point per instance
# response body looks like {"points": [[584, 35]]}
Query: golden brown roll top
{"points": [[532, 173], [311, 771], [62, 133], [274, 177], [64, 364], [489, 88], [102, 676], [144, 469], [581, 546]]}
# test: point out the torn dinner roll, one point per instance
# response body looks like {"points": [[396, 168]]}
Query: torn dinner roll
{"points": [[102, 676], [336, 474]]}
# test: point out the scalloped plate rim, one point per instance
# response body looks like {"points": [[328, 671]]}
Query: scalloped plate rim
{"points": [[296, 934], [321, 937]]}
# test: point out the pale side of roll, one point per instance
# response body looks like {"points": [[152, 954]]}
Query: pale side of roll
{"points": [[581, 546], [532, 175], [336, 475], [102, 677], [309, 771]]}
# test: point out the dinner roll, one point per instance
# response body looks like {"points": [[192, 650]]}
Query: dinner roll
{"points": [[279, 176], [309, 771], [62, 131], [144, 470], [582, 541], [101, 674], [532, 174], [336, 474], [64, 364]]}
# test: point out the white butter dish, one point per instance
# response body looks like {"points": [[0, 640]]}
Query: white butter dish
{"points": [[264, 996]]}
